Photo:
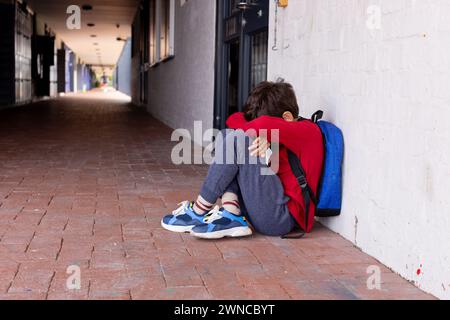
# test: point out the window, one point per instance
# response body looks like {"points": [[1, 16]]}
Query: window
{"points": [[164, 29], [152, 41], [162, 24], [23, 57]]}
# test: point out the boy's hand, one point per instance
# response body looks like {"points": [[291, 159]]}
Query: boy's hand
{"points": [[259, 147]]}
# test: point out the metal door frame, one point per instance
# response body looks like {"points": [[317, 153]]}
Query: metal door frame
{"points": [[222, 58]]}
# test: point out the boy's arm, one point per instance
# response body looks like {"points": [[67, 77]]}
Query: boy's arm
{"points": [[237, 121], [289, 133]]}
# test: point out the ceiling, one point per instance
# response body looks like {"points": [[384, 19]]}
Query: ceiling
{"points": [[105, 14]]}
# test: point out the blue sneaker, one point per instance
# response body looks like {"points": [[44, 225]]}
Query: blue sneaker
{"points": [[182, 219], [220, 224]]}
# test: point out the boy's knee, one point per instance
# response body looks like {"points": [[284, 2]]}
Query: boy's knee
{"points": [[240, 138], [239, 133], [232, 147], [230, 136]]}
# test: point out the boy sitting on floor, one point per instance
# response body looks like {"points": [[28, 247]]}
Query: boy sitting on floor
{"points": [[273, 204]]}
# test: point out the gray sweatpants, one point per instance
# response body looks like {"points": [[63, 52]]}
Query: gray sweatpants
{"points": [[262, 197]]}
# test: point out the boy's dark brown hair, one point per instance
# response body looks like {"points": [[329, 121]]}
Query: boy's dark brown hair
{"points": [[271, 99]]}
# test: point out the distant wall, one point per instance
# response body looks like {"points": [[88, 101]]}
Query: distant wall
{"points": [[122, 73], [181, 90]]}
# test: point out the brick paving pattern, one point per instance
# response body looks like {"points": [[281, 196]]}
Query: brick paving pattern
{"points": [[85, 181]]}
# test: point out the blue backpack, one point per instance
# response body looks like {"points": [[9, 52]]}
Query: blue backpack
{"points": [[329, 197]]}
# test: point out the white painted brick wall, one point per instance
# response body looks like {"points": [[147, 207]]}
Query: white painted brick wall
{"points": [[389, 90], [181, 90]]}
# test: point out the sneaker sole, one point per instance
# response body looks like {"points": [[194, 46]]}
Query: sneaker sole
{"points": [[232, 233], [178, 229]]}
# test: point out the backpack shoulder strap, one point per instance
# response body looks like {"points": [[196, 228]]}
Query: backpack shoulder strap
{"points": [[299, 172], [317, 116]]}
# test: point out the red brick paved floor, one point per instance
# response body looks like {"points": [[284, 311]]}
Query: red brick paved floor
{"points": [[85, 182]]}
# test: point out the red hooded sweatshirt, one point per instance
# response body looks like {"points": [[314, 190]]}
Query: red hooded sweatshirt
{"points": [[304, 138]]}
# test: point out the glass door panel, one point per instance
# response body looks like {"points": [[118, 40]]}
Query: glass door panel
{"points": [[259, 56]]}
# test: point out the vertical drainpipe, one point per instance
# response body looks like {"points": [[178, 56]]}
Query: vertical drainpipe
{"points": [[75, 74]]}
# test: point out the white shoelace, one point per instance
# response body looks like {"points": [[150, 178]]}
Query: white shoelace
{"points": [[213, 215], [180, 210]]}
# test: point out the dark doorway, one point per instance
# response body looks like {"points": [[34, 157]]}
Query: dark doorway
{"points": [[61, 67], [43, 53], [144, 53], [233, 77], [242, 52]]}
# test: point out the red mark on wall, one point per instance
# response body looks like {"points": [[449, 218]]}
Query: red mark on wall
{"points": [[419, 271]]}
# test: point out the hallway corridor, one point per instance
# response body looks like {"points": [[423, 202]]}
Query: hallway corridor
{"points": [[84, 182]]}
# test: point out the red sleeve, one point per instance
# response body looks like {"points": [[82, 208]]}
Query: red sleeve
{"points": [[289, 133], [237, 121]]}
